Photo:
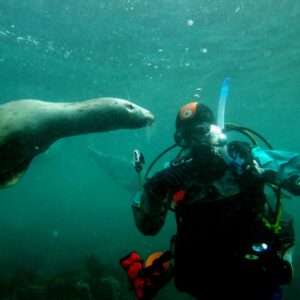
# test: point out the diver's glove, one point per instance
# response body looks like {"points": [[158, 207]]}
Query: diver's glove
{"points": [[147, 279], [171, 179]]}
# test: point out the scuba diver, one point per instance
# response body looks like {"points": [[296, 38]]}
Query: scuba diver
{"points": [[232, 241]]}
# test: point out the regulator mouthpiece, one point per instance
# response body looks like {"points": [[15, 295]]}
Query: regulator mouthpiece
{"points": [[217, 137]]}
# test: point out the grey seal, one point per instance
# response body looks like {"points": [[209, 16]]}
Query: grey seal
{"points": [[28, 127]]}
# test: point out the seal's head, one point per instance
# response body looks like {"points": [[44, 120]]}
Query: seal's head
{"points": [[126, 114]]}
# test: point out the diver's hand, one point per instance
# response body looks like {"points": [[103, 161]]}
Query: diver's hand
{"points": [[171, 179]]}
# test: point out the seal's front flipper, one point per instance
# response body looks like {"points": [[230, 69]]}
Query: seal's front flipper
{"points": [[10, 178]]}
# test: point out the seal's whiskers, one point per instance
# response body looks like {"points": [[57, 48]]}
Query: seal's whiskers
{"points": [[148, 128]]}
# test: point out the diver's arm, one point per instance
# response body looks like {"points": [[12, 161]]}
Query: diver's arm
{"points": [[281, 168], [150, 207], [150, 216]]}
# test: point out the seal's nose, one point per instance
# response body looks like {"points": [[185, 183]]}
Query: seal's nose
{"points": [[150, 119]]}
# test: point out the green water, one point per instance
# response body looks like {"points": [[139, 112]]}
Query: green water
{"points": [[158, 54]]}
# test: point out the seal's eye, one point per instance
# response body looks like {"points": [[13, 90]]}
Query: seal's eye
{"points": [[129, 106]]}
